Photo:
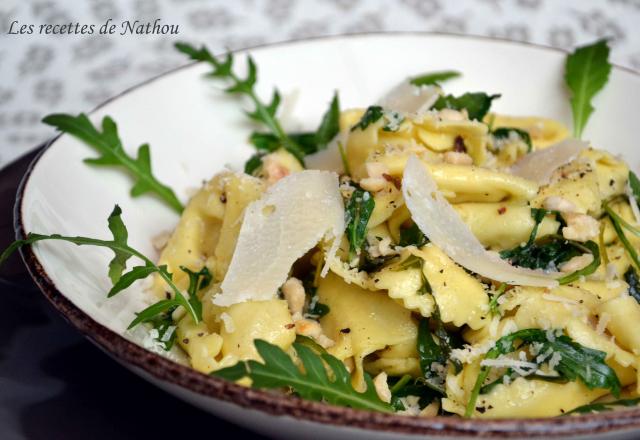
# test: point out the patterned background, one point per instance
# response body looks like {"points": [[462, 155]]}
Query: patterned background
{"points": [[41, 74]]}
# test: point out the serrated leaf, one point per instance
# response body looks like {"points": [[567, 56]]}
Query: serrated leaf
{"points": [[505, 133], [233, 373], [577, 362], [618, 224], [434, 78], [262, 113], [477, 104], [278, 371], [120, 236], [586, 73], [197, 281], [136, 273], [371, 115], [604, 406], [549, 252], [632, 279], [253, 164], [117, 265], [634, 185], [330, 124], [108, 144], [358, 212], [152, 311]]}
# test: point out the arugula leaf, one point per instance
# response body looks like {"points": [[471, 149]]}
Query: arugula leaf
{"points": [[494, 307], [279, 371], [430, 353], [136, 273], [618, 223], [269, 142], [164, 325], [551, 251], [632, 279], [310, 343], [412, 236], [577, 362], [309, 142], [253, 164], [434, 78], [357, 213], [415, 262], [263, 113], [477, 104], [586, 73], [634, 184], [371, 115], [407, 386], [123, 252], [505, 133], [316, 309], [330, 124], [603, 406], [588, 246], [162, 320], [109, 145], [374, 113], [197, 281], [343, 158]]}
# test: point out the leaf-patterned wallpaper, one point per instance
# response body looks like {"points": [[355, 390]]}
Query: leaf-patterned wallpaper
{"points": [[40, 74]]}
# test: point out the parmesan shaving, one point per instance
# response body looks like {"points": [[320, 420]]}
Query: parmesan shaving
{"points": [[407, 98], [292, 217], [439, 221], [540, 165]]}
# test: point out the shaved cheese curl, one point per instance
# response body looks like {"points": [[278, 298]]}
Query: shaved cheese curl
{"points": [[407, 98], [439, 221], [540, 165], [290, 219]]}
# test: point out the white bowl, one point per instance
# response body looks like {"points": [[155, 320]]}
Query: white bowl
{"points": [[195, 130]]}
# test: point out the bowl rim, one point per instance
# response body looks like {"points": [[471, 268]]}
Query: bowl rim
{"points": [[279, 404]]}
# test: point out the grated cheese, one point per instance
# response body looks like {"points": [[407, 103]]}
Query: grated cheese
{"points": [[540, 165]]}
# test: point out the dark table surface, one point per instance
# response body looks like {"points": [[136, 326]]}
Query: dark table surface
{"points": [[54, 384]]}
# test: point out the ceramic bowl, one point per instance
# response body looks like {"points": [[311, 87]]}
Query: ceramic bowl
{"points": [[195, 130]]}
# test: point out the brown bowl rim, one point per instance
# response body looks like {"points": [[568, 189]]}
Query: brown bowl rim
{"points": [[278, 404]]}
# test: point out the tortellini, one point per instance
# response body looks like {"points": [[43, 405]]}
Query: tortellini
{"points": [[362, 322], [369, 308]]}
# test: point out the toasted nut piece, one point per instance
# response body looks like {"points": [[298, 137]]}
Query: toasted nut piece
{"points": [[381, 248], [557, 203], [311, 328], [457, 158], [448, 114], [576, 263], [431, 410], [373, 184], [273, 169], [580, 227], [376, 169], [382, 387], [293, 292]]}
